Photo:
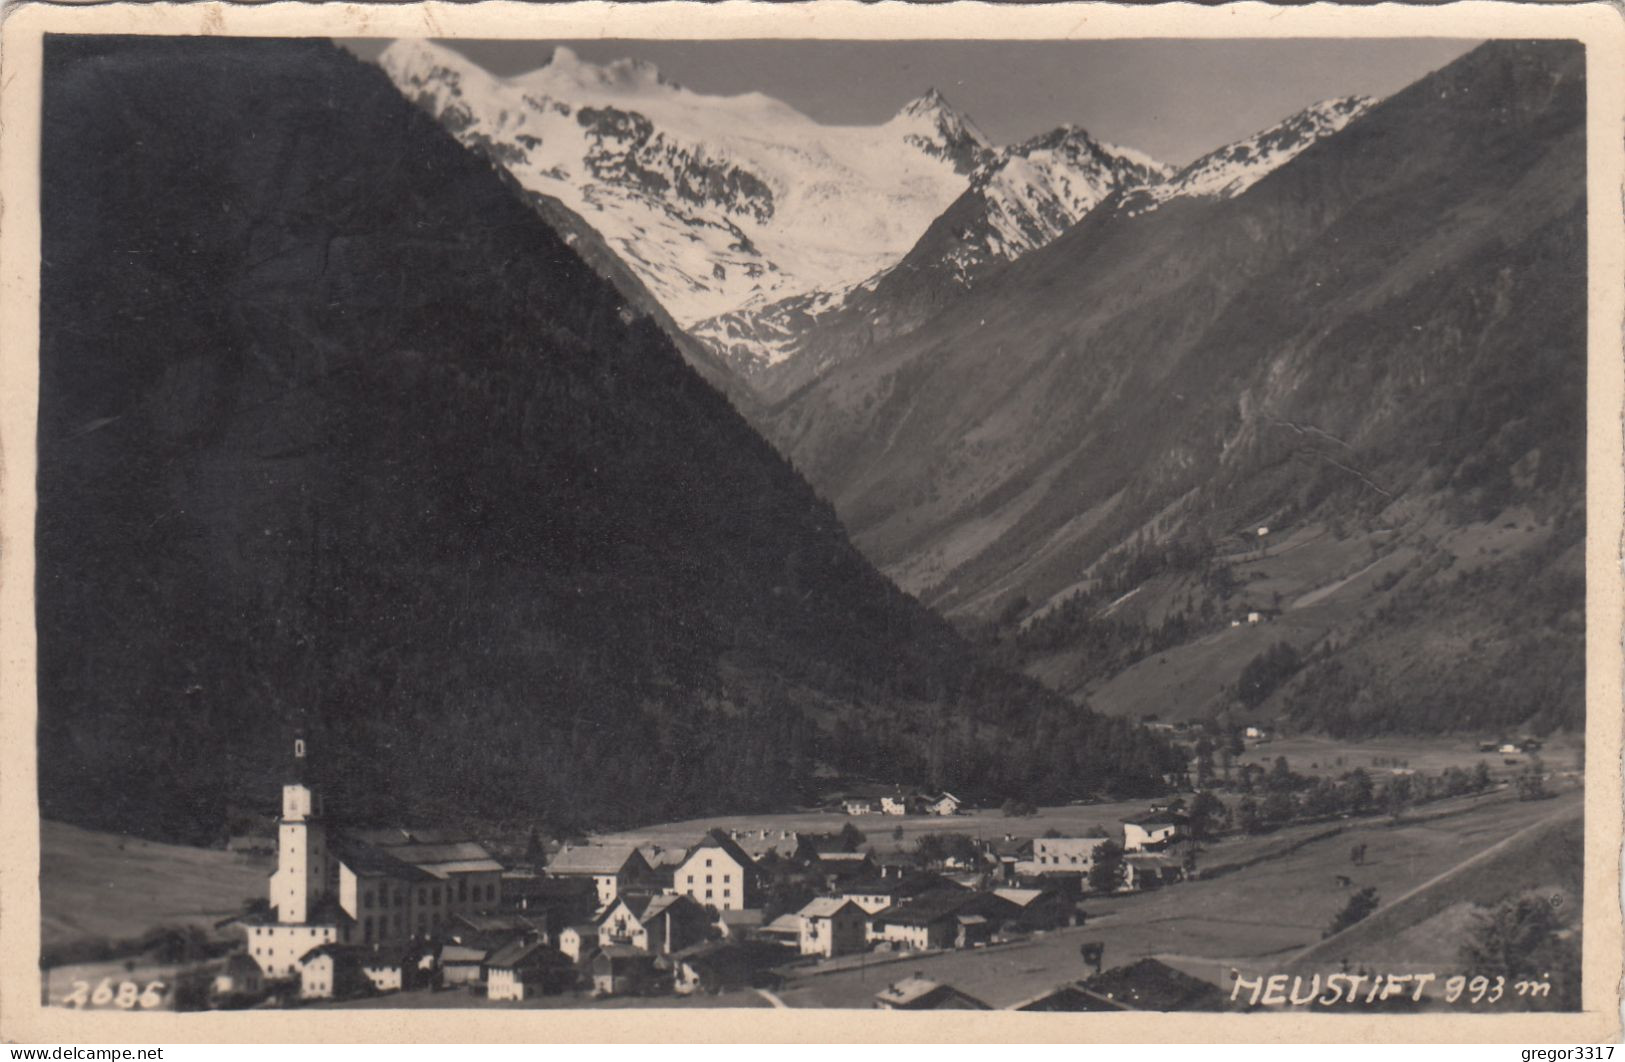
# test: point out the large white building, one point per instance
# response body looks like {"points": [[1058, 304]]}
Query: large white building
{"points": [[1061, 856], [717, 873]]}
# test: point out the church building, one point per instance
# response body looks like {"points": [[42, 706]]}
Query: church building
{"points": [[361, 887]]}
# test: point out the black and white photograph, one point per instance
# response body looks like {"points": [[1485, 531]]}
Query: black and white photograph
{"points": [[599, 523]]}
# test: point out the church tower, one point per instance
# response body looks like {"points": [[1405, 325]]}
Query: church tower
{"points": [[302, 872]]}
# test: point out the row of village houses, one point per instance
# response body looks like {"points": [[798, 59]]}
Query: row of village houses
{"points": [[383, 910]]}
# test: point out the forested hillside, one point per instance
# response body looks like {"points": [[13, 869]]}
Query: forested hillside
{"points": [[336, 432], [1349, 400]]}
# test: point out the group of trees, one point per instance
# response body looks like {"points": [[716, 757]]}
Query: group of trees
{"points": [[1265, 673], [1273, 797]]}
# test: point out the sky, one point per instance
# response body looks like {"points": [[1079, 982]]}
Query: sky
{"points": [[1174, 99]]}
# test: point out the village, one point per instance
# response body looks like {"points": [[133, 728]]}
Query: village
{"points": [[355, 915], [358, 913]]}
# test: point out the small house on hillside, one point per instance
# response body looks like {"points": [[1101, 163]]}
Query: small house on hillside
{"points": [[1152, 832]]}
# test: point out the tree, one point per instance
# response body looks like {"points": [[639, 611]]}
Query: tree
{"points": [[1108, 871], [1207, 815], [1204, 762], [1532, 781], [941, 847], [1278, 809], [1265, 672], [1398, 795], [1361, 791], [1481, 776], [1360, 905], [1523, 937], [851, 838], [1248, 817], [1281, 778], [897, 833]]}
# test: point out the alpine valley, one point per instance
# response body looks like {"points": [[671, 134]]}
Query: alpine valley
{"points": [[1293, 432], [342, 436]]}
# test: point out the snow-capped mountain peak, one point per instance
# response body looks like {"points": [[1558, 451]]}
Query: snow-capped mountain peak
{"points": [[566, 68], [715, 202], [1231, 170], [932, 124], [1033, 191], [1020, 198]]}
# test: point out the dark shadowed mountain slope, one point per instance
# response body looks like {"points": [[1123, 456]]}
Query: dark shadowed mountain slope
{"points": [[1379, 345], [335, 431]]}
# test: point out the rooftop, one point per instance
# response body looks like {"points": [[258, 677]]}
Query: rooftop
{"points": [[823, 907], [592, 859]]}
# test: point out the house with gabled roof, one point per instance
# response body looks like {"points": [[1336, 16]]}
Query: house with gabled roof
{"points": [[1151, 984], [1148, 870], [922, 993], [521, 970], [716, 966], [578, 941], [876, 894], [461, 964], [718, 874], [837, 867], [1062, 856], [1039, 908], [1157, 830], [333, 971], [942, 920], [832, 926], [618, 969], [611, 868], [661, 923], [760, 843]]}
